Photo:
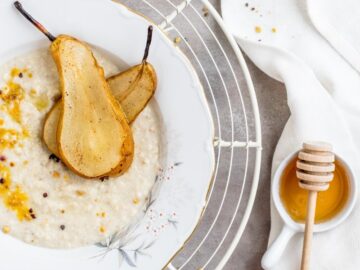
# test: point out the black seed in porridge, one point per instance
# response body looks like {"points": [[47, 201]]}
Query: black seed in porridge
{"points": [[54, 158], [21, 75], [102, 179], [2, 181], [2, 158], [45, 195], [33, 216], [62, 227], [56, 98], [31, 210]]}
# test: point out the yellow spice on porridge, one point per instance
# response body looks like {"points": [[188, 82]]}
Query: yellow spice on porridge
{"points": [[12, 195]]}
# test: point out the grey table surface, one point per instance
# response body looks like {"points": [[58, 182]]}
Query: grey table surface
{"points": [[274, 113]]}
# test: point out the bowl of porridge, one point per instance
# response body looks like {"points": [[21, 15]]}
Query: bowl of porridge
{"points": [[140, 216]]}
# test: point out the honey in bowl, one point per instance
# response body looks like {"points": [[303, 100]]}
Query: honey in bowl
{"points": [[329, 202]]}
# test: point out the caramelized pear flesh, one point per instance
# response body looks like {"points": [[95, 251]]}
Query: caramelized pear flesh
{"points": [[132, 88], [93, 136], [50, 128]]}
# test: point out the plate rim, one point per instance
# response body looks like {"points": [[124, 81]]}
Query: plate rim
{"points": [[205, 105]]}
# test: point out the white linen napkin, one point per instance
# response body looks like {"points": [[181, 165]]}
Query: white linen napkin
{"points": [[313, 47]]}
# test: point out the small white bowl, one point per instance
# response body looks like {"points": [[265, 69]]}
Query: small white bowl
{"points": [[290, 228]]}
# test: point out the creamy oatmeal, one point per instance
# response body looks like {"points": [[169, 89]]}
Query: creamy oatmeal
{"points": [[41, 201]]}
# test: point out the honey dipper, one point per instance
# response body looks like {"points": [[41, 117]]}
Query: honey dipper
{"points": [[315, 167]]}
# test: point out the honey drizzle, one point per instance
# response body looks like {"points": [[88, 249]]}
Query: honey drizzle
{"points": [[12, 94], [12, 195]]}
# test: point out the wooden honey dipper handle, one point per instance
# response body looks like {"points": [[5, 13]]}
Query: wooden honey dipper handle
{"points": [[309, 226], [315, 167]]}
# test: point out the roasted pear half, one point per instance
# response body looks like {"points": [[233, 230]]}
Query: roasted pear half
{"points": [[132, 88], [87, 128], [93, 135]]}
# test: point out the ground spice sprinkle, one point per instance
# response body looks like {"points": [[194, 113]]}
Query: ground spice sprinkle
{"points": [[6, 229], [258, 29]]}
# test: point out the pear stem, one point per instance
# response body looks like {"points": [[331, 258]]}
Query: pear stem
{"points": [[37, 24], [148, 43]]}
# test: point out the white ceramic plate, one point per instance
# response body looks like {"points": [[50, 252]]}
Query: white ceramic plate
{"points": [[188, 134]]}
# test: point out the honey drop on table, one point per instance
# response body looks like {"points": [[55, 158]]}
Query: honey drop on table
{"points": [[329, 202]]}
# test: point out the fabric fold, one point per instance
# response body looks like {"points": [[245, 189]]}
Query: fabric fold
{"points": [[320, 69]]}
